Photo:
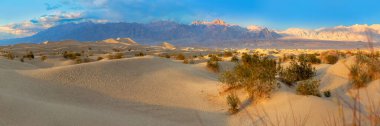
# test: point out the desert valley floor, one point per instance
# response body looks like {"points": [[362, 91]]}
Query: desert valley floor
{"points": [[149, 89]]}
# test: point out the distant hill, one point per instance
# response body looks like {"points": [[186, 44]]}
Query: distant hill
{"points": [[151, 33]]}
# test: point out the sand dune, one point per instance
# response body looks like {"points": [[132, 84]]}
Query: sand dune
{"points": [[110, 93]]}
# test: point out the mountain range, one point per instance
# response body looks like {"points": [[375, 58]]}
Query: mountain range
{"points": [[200, 33]]}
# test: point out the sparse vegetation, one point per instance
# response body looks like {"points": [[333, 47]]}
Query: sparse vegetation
{"points": [[310, 58], [29, 55], [71, 55], [327, 93], [189, 61], [308, 87], [115, 56], [99, 58], [227, 54], [140, 54], [235, 59], [365, 70], [254, 73], [233, 101], [330, 57], [296, 71], [180, 57], [43, 58], [213, 65], [9, 55]]}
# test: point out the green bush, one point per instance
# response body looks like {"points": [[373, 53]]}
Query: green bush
{"points": [[308, 87], [296, 72], [254, 73], [180, 57], [233, 101]]}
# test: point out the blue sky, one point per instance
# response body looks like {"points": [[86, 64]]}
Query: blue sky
{"points": [[275, 14]]}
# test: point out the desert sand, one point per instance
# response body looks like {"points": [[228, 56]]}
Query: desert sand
{"points": [[151, 90]]}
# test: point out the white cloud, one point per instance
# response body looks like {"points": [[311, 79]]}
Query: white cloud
{"points": [[34, 26]]}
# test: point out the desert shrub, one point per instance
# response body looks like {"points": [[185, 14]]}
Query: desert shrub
{"points": [[167, 56], [359, 76], [308, 87], [327, 93], [215, 58], [297, 71], [43, 58], [71, 55], [254, 73], [115, 56], [9, 55], [29, 55], [99, 58], [233, 101], [189, 61], [116, 50], [180, 57], [227, 54], [22, 59], [332, 59], [213, 65], [82, 60], [310, 58], [235, 59], [140, 54], [365, 70], [219, 55]]}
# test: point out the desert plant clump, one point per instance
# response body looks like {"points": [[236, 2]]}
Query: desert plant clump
{"points": [[233, 101], [71, 55], [327, 93], [140, 54], [235, 59], [254, 73], [43, 58], [310, 58], [213, 65], [215, 58], [29, 55], [296, 71], [180, 57], [227, 54], [99, 58], [189, 61], [308, 87], [22, 59], [115, 56], [330, 57], [365, 70], [9, 55]]}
